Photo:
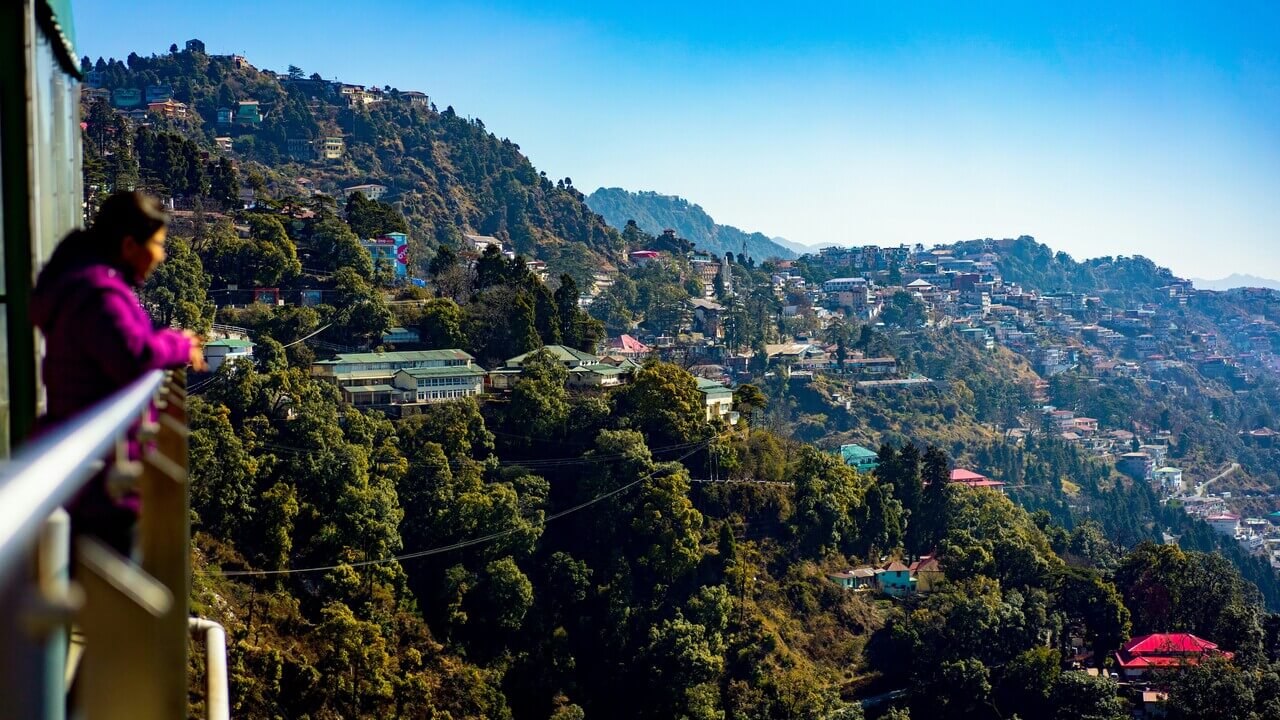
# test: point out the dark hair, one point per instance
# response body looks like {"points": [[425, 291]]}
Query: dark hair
{"points": [[124, 214]]}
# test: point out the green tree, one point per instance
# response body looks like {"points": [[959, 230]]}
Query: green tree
{"points": [[539, 407], [445, 259], [1078, 696], [668, 530], [363, 315], [566, 300], [338, 247], [440, 325], [663, 402], [223, 472], [371, 218], [748, 400], [177, 290]]}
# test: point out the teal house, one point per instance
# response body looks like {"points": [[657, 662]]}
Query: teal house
{"points": [[895, 579], [860, 458]]}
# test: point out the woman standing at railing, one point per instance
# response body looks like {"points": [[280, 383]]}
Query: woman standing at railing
{"points": [[98, 338]]}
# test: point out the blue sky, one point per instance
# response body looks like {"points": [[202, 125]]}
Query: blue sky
{"points": [[1100, 128]]}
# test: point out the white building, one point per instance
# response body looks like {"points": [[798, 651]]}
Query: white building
{"points": [[220, 351], [1168, 478], [1226, 523], [844, 284], [440, 384]]}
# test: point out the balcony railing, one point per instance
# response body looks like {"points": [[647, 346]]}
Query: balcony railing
{"points": [[118, 632]]}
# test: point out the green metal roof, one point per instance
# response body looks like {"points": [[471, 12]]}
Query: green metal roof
{"points": [[857, 455], [562, 353], [403, 356], [601, 369], [711, 387], [230, 342], [455, 371]]}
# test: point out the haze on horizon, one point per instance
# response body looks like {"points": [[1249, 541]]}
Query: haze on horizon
{"points": [[1146, 129]]}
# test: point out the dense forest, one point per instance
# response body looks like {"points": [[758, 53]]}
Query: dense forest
{"points": [[563, 554]]}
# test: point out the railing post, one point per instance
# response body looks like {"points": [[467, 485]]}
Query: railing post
{"points": [[164, 533], [20, 675], [54, 566], [124, 623]]}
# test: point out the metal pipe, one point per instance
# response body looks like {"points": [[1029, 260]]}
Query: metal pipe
{"points": [[217, 696], [48, 472]]}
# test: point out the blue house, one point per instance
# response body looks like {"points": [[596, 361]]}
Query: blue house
{"points": [[895, 579]]}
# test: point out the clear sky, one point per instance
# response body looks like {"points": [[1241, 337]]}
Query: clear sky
{"points": [[1101, 128]]}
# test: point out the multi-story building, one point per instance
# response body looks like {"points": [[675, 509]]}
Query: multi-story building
{"points": [[126, 97], [248, 112], [389, 253], [159, 93], [169, 109], [355, 369], [332, 147]]}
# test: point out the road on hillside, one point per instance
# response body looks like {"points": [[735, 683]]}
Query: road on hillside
{"points": [[1200, 488]]}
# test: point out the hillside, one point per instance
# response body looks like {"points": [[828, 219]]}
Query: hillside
{"points": [[654, 213], [1037, 267], [445, 172], [559, 551]]}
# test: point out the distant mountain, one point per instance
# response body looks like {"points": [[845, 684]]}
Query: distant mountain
{"points": [[654, 213], [800, 248], [1236, 280]]}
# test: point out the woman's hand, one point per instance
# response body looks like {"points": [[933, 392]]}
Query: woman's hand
{"points": [[197, 352]]}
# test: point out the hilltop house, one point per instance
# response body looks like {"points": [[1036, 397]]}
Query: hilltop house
{"points": [[1137, 465], [505, 377], [1164, 652], [895, 579], [372, 191], [860, 458], [707, 316], [217, 352], [862, 578], [1168, 479], [248, 112], [718, 400], [627, 347], [968, 478], [441, 383], [363, 369], [400, 336], [927, 572]]}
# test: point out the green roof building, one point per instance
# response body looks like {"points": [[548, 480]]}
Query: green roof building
{"points": [[569, 357], [860, 458]]}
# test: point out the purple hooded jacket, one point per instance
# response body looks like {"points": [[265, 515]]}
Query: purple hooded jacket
{"points": [[98, 339]]}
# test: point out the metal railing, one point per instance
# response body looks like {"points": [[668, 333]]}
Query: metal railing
{"points": [[133, 617]]}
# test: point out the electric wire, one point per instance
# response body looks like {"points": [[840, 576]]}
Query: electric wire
{"points": [[454, 546]]}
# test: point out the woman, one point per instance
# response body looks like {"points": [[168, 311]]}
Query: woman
{"points": [[98, 338]]}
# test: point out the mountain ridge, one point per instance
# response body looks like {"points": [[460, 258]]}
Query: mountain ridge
{"points": [[1235, 280], [654, 212]]}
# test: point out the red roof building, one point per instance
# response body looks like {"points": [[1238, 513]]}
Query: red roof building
{"points": [[972, 479], [1164, 651], [627, 346]]}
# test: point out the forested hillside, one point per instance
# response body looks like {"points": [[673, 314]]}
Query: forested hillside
{"points": [[555, 550], [446, 173], [654, 213]]}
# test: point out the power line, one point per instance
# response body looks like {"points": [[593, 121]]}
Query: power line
{"points": [[308, 337], [455, 546], [533, 464]]}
